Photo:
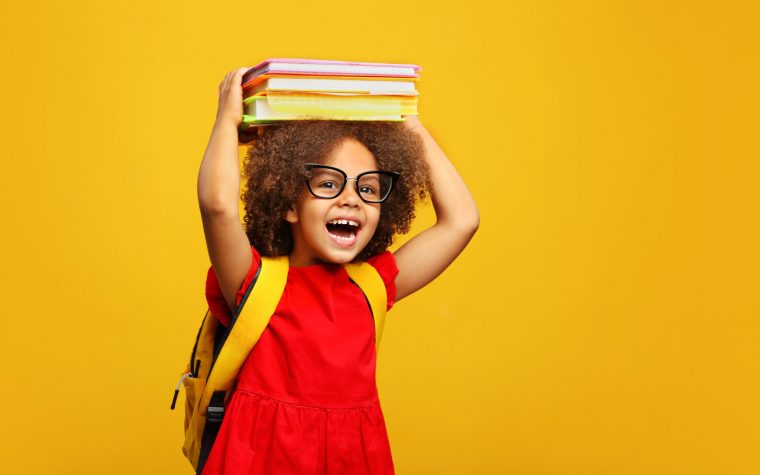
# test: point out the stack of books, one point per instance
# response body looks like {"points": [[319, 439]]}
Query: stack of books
{"points": [[300, 89]]}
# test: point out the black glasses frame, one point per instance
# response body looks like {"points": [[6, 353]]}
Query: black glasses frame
{"points": [[394, 177]]}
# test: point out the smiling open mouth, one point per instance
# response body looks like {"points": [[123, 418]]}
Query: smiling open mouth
{"points": [[343, 231]]}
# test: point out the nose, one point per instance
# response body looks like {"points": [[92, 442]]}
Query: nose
{"points": [[349, 196]]}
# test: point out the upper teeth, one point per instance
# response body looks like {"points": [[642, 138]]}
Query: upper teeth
{"points": [[344, 221]]}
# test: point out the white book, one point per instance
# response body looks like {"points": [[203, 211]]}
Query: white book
{"points": [[330, 68], [334, 85], [342, 69]]}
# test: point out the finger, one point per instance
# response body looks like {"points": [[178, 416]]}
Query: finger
{"points": [[239, 75], [227, 77], [227, 82]]}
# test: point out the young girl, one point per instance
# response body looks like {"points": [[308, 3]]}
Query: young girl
{"points": [[306, 399]]}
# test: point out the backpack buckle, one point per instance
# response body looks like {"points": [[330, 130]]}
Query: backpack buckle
{"points": [[215, 411], [215, 414]]}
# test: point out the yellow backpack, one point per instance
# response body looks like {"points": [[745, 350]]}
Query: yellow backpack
{"points": [[219, 352]]}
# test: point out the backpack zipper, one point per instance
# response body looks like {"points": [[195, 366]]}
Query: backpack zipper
{"points": [[179, 384]]}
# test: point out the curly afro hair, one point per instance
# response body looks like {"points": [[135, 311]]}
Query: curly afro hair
{"points": [[273, 174]]}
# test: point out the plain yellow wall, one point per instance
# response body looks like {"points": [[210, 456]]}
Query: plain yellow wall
{"points": [[604, 320]]}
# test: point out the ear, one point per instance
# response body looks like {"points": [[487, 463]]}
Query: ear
{"points": [[291, 215]]}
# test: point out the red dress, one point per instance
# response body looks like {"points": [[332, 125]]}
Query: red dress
{"points": [[306, 399]]}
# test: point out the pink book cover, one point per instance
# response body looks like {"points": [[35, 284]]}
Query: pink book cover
{"points": [[264, 67]]}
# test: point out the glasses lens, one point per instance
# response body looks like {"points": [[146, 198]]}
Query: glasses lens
{"points": [[374, 187], [324, 182]]}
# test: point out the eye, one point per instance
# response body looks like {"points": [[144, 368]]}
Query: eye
{"points": [[367, 190], [330, 185]]}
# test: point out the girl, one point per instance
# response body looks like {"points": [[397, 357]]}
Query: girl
{"points": [[325, 193]]}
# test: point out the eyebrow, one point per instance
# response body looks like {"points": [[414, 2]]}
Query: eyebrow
{"points": [[333, 168]]}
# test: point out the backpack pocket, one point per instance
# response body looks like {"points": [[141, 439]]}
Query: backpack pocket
{"points": [[193, 392]]}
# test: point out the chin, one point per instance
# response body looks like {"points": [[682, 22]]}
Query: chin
{"points": [[341, 258], [337, 254]]}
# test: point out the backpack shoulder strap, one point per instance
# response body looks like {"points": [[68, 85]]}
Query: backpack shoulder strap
{"points": [[248, 327], [371, 284]]}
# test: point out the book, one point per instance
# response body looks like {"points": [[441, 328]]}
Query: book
{"points": [[303, 106], [263, 77], [332, 85], [328, 68], [284, 89]]}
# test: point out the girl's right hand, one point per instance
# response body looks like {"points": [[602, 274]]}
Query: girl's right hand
{"points": [[231, 98]]}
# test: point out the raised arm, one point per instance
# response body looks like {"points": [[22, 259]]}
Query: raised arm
{"points": [[219, 190], [427, 254]]}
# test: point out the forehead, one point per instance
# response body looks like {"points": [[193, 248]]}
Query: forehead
{"points": [[352, 157]]}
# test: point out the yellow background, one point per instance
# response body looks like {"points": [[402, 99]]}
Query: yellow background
{"points": [[604, 320]]}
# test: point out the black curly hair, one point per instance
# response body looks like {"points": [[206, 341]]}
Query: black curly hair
{"points": [[273, 174]]}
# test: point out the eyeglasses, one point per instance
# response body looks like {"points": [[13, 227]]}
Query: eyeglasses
{"points": [[328, 182]]}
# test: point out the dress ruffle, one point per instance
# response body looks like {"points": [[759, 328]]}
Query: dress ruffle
{"points": [[273, 437]]}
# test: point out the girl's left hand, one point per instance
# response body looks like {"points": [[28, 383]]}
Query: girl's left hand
{"points": [[412, 122]]}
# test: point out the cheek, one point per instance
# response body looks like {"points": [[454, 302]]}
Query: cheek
{"points": [[373, 219]]}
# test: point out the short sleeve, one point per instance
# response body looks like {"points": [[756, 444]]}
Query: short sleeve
{"points": [[215, 298], [385, 264]]}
